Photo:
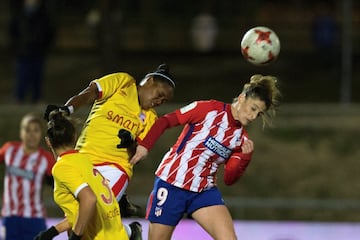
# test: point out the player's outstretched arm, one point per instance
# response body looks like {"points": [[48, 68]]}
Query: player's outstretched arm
{"points": [[144, 146], [85, 97]]}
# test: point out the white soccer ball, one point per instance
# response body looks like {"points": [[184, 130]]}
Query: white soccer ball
{"points": [[260, 45]]}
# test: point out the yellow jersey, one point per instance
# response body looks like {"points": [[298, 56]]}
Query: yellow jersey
{"points": [[72, 172], [117, 107]]}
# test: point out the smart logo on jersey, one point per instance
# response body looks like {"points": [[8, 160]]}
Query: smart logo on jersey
{"points": [[216, 147], [123, 121]]}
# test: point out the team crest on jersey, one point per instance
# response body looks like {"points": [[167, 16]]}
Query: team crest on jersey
{"points": [[158, 211], [217, 147], [142, 116], [238, 141]]}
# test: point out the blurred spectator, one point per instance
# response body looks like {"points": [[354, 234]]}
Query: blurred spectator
{"points": [[204, 31], [93, 21], [26, 166], [31, 34], [325, 34]]}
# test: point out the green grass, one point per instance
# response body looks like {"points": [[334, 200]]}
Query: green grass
{"points": [[302, 157]]}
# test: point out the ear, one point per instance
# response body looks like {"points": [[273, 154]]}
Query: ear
{"points": [[242, 97]]}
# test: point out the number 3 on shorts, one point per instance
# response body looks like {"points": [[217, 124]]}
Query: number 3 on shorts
{"points": [[107, 200], [161, 195]]}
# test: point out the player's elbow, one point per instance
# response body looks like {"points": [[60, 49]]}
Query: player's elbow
{"points": [[230, 179]]}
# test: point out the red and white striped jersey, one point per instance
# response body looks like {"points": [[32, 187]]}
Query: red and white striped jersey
{"points": [[210, 137], [23, 180]]}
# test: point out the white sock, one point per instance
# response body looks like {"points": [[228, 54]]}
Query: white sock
{"points": [[128, 230]]}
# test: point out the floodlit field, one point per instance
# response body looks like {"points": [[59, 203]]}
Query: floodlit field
{"points": [[261, 230], [304, 169]]}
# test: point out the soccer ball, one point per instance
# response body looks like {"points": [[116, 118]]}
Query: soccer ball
{"points": [[260, 45]]}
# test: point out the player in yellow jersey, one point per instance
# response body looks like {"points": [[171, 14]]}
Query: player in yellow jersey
{"points": [[91, 210], [122, 112]]}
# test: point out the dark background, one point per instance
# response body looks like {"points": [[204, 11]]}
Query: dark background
{"points": [[136, 36]]}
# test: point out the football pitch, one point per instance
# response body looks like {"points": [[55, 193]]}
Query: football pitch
{"points": [[260, 230]]}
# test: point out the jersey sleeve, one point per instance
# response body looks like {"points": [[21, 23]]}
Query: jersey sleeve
{"points": [[235, 167], [3, 150], [69, 176], [167, 121], [194, 112], [109, 84]]}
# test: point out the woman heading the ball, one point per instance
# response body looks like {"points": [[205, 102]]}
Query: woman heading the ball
{"points": [[214, 134]]}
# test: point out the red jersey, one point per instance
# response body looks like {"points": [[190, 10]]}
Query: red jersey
{"points": [[23, 180], [211, 137]]}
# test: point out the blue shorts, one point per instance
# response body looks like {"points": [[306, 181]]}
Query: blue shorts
{"points": [[21, 228], [167, 204]]}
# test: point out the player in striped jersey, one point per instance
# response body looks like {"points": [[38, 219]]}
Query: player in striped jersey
{"points": [[122, 112], [214, 134], [90, 207], [27, 165]]}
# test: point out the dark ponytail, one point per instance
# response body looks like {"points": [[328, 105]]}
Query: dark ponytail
{"points": [[61, 131], [162, 74]]}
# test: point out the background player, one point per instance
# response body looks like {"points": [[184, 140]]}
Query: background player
{"points": [[122, 112], [88, 202], [214, 134], [27, 164]]}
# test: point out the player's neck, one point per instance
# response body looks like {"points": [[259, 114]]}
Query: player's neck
{"points": [[29, 150], [63, 150]]}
